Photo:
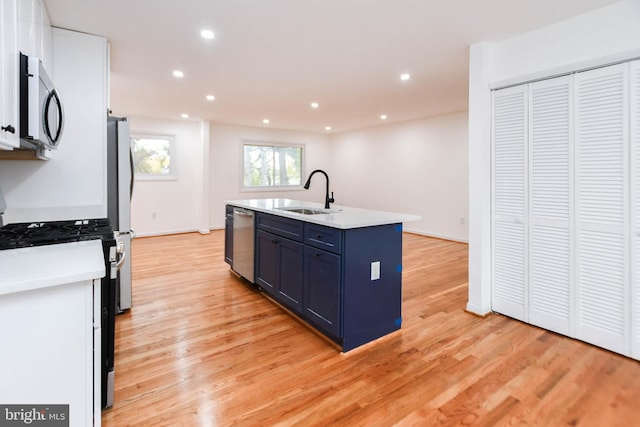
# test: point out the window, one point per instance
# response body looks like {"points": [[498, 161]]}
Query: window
{"points": [[153, 156], [271, 165]]}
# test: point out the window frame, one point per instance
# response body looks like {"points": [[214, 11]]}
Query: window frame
{"points": [[172, 175], [271, 188]]}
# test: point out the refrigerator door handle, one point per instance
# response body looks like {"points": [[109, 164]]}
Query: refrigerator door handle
{"points": [[132, 173]]}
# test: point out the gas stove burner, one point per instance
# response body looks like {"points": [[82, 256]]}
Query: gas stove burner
{"points": [[20, 235]]}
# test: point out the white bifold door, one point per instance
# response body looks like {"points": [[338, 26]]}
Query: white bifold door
{"points": [[566, 205]]}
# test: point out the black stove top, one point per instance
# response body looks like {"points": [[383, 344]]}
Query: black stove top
{"points": [[25, 234]]}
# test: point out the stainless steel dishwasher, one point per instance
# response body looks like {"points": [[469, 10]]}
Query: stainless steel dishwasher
{"points": [[243, 242]]}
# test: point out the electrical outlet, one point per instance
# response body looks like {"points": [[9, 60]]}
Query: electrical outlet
{"points": [[463, 220], [154, 215], [375, 270]]}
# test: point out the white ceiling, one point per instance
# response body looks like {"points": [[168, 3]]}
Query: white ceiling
{"points": [[272, 58]]}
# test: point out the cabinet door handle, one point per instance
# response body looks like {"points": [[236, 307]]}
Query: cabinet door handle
{"points": [[318, 254], [9, 128], [275, 242], [318, 236]]}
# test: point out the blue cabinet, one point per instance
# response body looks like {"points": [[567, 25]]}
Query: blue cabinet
{"points": [[279, 263], [267, 262], [322, 237], [279, 260], [291, 277], [228, 235], [371, 308], [347, 283], [321, 299]]}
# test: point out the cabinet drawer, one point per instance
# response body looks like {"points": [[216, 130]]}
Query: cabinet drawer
{"points": [[285, 227], [327, 238]]}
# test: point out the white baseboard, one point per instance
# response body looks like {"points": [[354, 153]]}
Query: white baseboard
{"points": [[168, 232], [437, 236], [472, 308]]}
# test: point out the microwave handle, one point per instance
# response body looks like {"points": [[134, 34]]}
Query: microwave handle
{"points": [[53, 95]]}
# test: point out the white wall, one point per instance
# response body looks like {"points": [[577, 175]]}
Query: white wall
{"points": [[170, 206], [598, 37], [605, 35], [226, 165], [417, 167], [73, 183]]}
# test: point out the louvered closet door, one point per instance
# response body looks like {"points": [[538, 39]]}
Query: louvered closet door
{"points": [[635, 207], [550, 207], [509, 201], [602, 204]]}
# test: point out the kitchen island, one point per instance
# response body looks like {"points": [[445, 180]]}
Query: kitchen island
{"points": [[338, 269]]}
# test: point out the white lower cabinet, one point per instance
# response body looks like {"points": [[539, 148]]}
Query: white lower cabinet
{"points": [[50, 332], [48, 355], [566, 205]]}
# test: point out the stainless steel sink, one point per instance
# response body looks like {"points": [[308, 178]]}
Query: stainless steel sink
{"points": [[309, 211]]}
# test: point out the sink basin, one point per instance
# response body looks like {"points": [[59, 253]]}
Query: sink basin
{"points": [[309, 211]]}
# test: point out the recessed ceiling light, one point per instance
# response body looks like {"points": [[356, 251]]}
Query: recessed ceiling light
{"points": [[265, 121], [178, 73], [210, 98], [405, 76], [184, 115], [383, 116], [327, 128], [314, 105], [207, 34]]}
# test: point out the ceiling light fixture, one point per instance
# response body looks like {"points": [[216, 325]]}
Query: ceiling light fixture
{"points": [[178, 73], [210, 98], [265, 121], [184, 115], [207, 34], [327, 128], [405, 76], [383, 116], [314, 105]]}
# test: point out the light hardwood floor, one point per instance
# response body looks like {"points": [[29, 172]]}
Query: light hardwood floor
{"points": [[202, 348]]}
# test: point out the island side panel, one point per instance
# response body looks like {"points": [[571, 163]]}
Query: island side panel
{"points": [[371, 308]]}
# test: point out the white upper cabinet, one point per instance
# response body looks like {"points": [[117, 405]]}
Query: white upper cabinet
{"points": [[34, 31], [9, 134], [46, 37], [25, 28], [28, 20]]}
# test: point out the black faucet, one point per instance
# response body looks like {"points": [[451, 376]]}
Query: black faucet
{"points": [[327, 199]]}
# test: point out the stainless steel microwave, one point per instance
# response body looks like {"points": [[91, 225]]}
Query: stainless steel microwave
{"points": [[41, 112]]}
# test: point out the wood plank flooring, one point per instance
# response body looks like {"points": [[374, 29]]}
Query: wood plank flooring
{"points": [[200, 347]]}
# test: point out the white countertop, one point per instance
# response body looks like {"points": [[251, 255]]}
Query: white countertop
{"points": [[50, 265], [342, 217]]}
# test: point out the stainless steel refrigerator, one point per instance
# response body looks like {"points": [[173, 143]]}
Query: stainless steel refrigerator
{"points": [[119, 191]]}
